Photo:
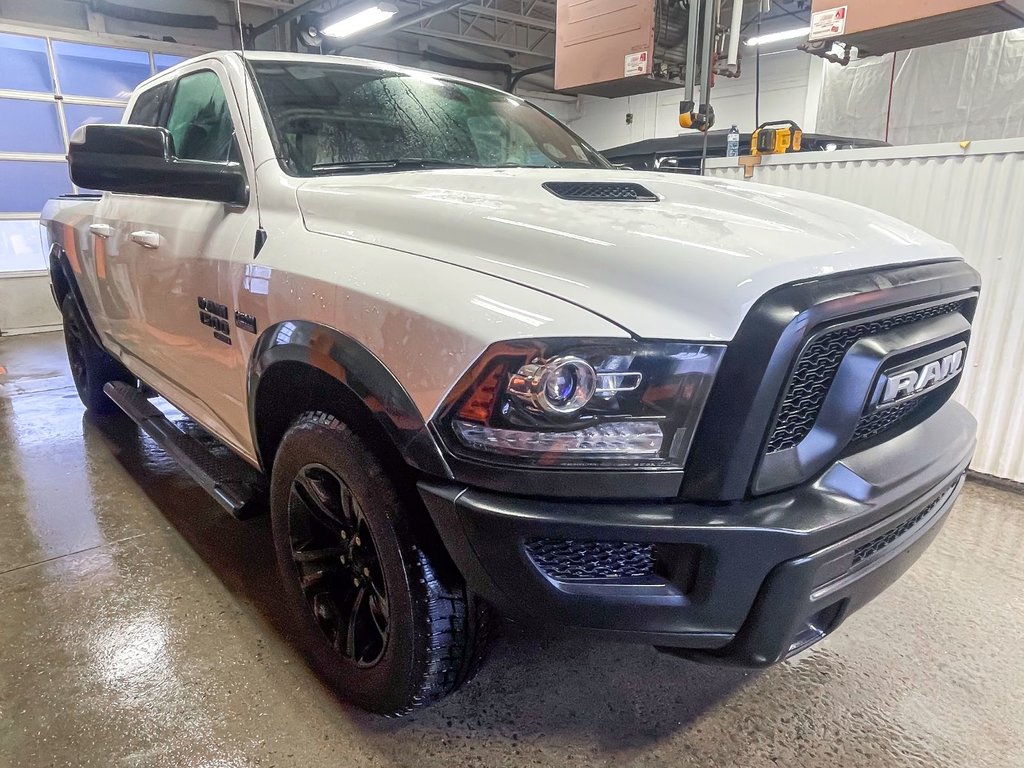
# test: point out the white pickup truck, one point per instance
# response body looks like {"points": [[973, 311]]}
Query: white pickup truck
{"points": [[485, 372]]}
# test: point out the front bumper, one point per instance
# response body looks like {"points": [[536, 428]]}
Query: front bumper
{"points": [[749, 582]]}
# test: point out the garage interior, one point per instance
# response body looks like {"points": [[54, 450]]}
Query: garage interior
{"points": [[142, 625]]}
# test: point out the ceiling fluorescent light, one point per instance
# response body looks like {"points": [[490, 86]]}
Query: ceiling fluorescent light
{"points": [[357, 22], [778, 37]]}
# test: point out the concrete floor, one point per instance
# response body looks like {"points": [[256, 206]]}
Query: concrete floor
{"points": [[141, 626]]}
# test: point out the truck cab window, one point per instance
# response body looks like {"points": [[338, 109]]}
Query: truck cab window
{"points": [[146, 110], [200, 121]]}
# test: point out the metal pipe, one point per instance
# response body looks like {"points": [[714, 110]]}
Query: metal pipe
{"points": [[690, 76], [707, 56], [514, 81], [707, 51], [734, 35], [482, 66]]}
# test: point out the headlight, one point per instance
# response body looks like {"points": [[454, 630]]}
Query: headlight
{"points": [[561, 386], [581, 403]]}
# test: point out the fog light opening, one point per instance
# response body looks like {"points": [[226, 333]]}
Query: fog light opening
{"points": [[816, 627]]}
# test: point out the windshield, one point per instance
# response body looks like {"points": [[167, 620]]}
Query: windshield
{"points": [[337, 118]]}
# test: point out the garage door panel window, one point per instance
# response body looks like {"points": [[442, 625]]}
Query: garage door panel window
{"points": [[21, 243], [30, 126], [45, 99], [28, 184], [99, 71], [24, 65], [164, 61], [199, 121], [77, 115]]}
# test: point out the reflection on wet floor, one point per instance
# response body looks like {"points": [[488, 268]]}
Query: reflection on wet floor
{"points": [[141, 625]]}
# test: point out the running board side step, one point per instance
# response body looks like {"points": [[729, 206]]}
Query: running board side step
{"points": [[232, 488]]}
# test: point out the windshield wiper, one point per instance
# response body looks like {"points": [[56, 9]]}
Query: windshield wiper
{"points": [[400, 164], [419, 164]]}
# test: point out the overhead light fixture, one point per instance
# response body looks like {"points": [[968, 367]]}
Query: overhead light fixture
{"points": [[356, 22], [778, 37]]}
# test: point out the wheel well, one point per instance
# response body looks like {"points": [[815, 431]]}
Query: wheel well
{"points": [[288, 389], [58, 280]]}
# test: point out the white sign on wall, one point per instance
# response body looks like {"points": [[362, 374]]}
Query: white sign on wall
{"points": [[830, 23], [636, 63]]}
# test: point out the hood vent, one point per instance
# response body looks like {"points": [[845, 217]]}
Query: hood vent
{"points": [[600, 190]]}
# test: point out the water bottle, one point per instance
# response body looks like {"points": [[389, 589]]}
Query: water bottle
{"points": [[732, 143]]}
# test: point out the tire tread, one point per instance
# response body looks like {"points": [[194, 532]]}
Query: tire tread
{"points": [[459, 626]]}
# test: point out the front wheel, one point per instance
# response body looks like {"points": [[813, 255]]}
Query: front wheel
{"points": [[388, 625]]}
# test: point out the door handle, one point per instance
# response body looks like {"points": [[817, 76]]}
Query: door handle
{"points": [[145, 238], [101, 230]]}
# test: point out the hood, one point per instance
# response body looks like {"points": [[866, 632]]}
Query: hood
{"points": [[686, 267]]}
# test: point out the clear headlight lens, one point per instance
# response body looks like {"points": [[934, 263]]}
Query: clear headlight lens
{"points": [[580, 403], [627, 438]]}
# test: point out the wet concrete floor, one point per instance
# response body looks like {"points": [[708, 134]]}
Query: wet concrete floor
{"points": [[142, 626]]}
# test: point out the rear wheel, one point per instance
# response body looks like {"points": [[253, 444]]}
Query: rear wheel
{"points": [[91, 366], [388, 625]]}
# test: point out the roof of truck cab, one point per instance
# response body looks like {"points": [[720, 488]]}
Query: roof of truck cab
{"points": [[316, 58]]}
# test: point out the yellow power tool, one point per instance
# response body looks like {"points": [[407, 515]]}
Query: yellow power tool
{"points": [[776, 138]]}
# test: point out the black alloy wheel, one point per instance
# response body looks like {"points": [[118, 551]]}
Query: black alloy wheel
{"points": [[338, 565]]}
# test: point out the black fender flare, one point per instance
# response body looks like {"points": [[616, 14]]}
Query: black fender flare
{"points": [[61, 272], [357, 369]]}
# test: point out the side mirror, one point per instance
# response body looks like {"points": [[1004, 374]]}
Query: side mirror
{"points": [[139, 160]]}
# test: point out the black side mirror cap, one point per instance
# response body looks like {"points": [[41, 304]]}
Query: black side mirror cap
{"points": [[138, 159]]}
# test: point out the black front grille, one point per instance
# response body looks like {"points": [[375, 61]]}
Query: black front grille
{"points": [[876, 423], [572, 560], [600, 190], [817, 367], [870, 549]]}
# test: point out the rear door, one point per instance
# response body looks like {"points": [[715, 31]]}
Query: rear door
{"points": [[112, 264], [182, 251]]}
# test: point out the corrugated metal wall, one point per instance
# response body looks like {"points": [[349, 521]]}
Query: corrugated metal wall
{"points": [[974, 198]]}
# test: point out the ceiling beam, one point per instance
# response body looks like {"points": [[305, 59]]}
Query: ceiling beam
{"points": [[474, 41], [494, 13], [277, 5]]}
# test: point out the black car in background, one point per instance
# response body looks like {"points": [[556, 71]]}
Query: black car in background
{"points": [[682, 153]]}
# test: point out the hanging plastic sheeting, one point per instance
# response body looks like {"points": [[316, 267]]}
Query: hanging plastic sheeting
{"points": [[966, 89], [974, 199]]}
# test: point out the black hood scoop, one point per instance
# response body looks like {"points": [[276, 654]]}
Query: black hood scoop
{"points": [[623, 192]]}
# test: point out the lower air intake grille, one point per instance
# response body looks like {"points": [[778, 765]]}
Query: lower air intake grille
{"points": [[571, 560], [890, 537], [600, 190], [817, 367]]}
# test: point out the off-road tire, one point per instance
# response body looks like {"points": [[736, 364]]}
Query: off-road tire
{"points": [[91, 366], [436, 634]]}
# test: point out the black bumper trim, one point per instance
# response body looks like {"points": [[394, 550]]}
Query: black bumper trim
{"points": [[763, 561], [793, 594]]}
